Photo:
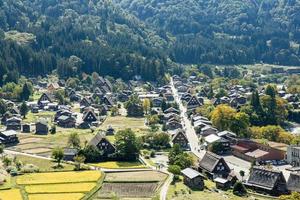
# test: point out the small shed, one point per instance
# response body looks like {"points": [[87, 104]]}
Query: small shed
{"points": [[41, 127], [193, 178], [70, 153], [221, 183], [110, 130], [26, 128]]}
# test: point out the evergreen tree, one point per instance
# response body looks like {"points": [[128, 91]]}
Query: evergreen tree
{"points": [[3, 107], [24, 109], [26, 92]]}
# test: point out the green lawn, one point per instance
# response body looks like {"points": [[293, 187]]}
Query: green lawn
{"points": [[43, 164], [118, 165], [122, 122], [179, 191], [34, 117]]}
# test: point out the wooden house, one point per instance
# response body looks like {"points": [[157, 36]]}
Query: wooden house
{"points": [[41, 127], [103, 144], [69, 154], [8, 137], [172, 110], [267, 181], [157, 102], [222, 183], [53, 87], [85, 102], [107, 100], [66, 121], [26, 128], [13, 123], [89, 116], [293, 183], [181, 139], [193, 178], [208, 130], [214, 166], [44, 99], [110, 130], [173, 124]]}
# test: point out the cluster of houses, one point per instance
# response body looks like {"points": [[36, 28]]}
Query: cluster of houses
{"points": [[261, 179], [212, 166], [93, 107]]}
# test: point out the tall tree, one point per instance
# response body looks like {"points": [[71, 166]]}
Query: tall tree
{"points": [[127, 147], [26, 92], [74, 140], [57, 155], [24, 109]]}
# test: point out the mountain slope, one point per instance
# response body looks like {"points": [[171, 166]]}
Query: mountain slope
{"points": [[226, 31], [39, 36]]}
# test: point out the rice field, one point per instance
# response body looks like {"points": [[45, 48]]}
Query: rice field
{"points": [[12, 194], [63, 196], [60, 188], [138, 176], [118, 165], [58, 177]]}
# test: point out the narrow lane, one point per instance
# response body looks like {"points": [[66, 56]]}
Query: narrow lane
{"points": [[187, 125]]}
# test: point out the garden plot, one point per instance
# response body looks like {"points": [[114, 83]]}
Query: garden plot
{"points": [[39, 150], [138, 176], [139, 184], [135, 190]]}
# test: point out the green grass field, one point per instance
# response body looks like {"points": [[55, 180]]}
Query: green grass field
{"points": [[43, 164], [122, 122]]}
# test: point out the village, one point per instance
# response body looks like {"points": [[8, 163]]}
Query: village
{"points": [[181, 139]]}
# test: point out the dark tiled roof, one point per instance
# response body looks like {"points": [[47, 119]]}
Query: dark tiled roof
{"points": [[264, 178]]}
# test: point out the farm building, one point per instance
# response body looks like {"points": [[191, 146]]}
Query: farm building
{"points": [[267, 181], [214, 166], [293, 183], [102, 144], [193, 178], [8, 137], [41, 127], [181, 139]]}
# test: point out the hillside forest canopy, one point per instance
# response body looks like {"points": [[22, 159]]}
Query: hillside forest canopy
{"points": [[123, 38]]}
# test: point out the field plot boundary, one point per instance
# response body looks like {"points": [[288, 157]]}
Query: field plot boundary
{"points": [[98, 186]]}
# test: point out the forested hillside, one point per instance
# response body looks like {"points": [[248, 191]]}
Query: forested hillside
{"points": [[226, 31], [123, 38], [73, 36]]}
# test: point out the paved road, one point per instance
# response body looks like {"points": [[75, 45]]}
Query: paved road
{"points": [[234, 163], [165, 187], [189, 129], [26, 154]]}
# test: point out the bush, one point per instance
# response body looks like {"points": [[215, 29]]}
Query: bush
{"points": [[174, 169], [239, 189], [13, 172], [11, 168], [30, 168], [53, 129], [152, 154]]}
